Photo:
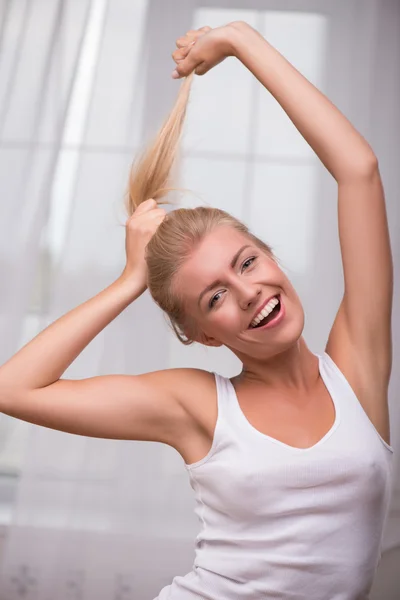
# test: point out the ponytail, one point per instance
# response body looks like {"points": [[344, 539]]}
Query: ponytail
{"points": [[150, 173]]}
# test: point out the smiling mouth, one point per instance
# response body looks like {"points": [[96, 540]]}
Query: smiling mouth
{"points": [[274, 313]]}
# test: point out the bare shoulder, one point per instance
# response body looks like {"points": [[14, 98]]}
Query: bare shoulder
{"points": [[194, 393], [186, 385], [169, 406], [368, 379]]}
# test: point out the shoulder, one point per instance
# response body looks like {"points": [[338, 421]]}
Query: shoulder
{"points": [[180, 381], [192, 390], [184, 383]]}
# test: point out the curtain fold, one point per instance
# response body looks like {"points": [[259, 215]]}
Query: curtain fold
{"points": [[91, 516]]}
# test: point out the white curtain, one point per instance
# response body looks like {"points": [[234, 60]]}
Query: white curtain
{"points": [[83, 84]]}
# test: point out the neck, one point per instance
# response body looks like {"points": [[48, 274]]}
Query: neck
{"points": [[292, 370]]}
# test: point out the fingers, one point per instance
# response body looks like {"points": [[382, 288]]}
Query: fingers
{"points": [[185, 63], [182, 53], [143, 207], [192, 36], [185, 58], [157, 213], [185, 67], [183, 42], [146, 220], [188, 64], [146, 205]]}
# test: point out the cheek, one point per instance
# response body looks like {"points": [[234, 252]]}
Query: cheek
{"points": [[227, 317]]}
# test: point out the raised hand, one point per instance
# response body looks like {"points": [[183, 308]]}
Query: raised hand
{"points": [[202, 49], [140, 228]]}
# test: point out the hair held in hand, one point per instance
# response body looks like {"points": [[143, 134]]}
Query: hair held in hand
{"points": [[183, 228]]}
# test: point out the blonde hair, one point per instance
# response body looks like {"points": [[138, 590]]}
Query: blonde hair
{"points": [[182, 229]]}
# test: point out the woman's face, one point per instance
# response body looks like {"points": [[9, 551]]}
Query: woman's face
{"points": [[224, 284]]}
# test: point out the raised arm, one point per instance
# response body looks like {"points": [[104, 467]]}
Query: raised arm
{"points": [[141, 407], [362, 329], [361, 334], [43, 360]]}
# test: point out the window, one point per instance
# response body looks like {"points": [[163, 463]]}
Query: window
{"points": [[107, 30]]}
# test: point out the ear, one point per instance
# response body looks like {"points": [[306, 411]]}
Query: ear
{"points": [[193, 333], [208, 341]]}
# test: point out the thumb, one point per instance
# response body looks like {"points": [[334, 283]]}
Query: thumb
{"points": [[185, 66], [202, 69]]}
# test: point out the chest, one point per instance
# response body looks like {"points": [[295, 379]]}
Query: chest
{"points": [[327, 453], [300, 422], [276, 483]]}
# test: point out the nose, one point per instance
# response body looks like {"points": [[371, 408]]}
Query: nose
{"points": [[248, 294]]}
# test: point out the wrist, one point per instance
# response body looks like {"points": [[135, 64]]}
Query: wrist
{"points": [[238, 31], [241, 34], [132, 283]]}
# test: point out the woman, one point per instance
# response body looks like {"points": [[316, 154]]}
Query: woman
{"points": [[290, 460]]}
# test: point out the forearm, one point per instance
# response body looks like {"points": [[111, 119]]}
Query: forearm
{"points": [[45, 358], [343, 151]]}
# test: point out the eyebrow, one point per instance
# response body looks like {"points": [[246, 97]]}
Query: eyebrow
{"points": [[218, 281]]}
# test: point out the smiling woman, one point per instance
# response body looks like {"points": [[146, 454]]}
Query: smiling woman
{"points": [[216, 294], [197, 239], [279, 455], [223, 284]]}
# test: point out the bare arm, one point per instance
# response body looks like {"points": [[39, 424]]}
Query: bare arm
{"points": [[340, 147], [343, 151], [130, 407], [136, 407], [142, 407], [44, 359], [363, 227]]}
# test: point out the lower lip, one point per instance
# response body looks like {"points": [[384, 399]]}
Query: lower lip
{"points": [[278, 319]]}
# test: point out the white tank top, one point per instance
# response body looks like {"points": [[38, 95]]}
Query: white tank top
{"points": [[286, 523]]}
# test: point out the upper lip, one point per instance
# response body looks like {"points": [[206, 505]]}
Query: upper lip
{"points": [[259, 309]]}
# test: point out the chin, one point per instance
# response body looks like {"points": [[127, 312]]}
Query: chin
{"points": [[288, 337]]}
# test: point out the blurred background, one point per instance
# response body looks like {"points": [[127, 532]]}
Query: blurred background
{"points": [[84, 85]]}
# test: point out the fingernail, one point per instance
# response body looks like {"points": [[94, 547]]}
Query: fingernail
{"points": [[175, 74]]}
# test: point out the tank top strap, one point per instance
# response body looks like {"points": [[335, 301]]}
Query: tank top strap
{"points": [[224, 393], [229, 411], [345, 398], [223, 437], [337, 384]]}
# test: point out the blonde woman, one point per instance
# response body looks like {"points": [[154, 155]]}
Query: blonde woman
{"points": [[290, 460]]}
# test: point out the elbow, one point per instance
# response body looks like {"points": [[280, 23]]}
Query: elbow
{"points": [[370, 165], [367, 167]]}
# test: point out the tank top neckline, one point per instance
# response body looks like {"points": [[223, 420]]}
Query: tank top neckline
{"points": [[266, 437]]}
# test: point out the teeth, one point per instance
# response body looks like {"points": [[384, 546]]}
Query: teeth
{"points": [[265, 311]]}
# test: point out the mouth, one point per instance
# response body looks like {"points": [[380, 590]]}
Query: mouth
{"points": [[274, 318]]}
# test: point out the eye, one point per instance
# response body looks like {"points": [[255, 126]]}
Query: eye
{"points": [[214, 299], [248, 262]]}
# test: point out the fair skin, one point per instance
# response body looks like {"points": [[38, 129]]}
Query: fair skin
{"points": [[178, 406], [272, 357]]}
